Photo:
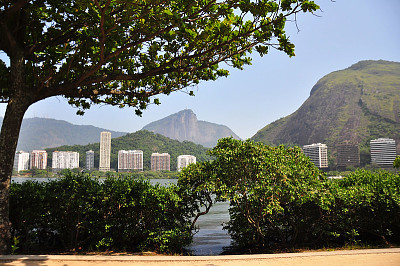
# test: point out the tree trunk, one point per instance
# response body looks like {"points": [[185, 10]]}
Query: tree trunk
{"points": [[17, 105], [8, 144]]}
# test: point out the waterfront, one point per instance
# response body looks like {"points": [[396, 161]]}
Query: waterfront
{"points": [[210, 238]]}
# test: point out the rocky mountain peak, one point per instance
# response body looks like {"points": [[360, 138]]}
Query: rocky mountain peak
{"points": [[184, 126], [356, 104]]}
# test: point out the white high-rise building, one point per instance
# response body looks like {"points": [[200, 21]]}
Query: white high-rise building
{"points": [[184, 160], [65, 160], [90, 160], [38, 159], [160, 162], [21, 161], [105, 151], [130, 160], [383, 151], [318, 154]]}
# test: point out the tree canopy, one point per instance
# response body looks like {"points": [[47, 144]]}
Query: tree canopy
{"points": [[123, 53]]}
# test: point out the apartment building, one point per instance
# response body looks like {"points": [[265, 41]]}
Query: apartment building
{"points": [[129, 160], [65, 160], [318, 154], [348, 154], [90, 160], [21, 161], [105, 151], [383, 151], [160, 162], [184, 160], [38, 159]]}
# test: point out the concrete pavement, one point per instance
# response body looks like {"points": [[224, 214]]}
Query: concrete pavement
{"points": [[364, 257]]}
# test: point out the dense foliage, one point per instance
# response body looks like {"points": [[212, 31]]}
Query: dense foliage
{"points": [[280, 200], [143, 140], [80, 213], [366, 208]]}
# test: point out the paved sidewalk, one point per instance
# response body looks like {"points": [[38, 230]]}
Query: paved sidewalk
{"points": [[365, 257]]}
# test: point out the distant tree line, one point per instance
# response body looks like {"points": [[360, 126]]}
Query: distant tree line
{"points": [[146, 141]]}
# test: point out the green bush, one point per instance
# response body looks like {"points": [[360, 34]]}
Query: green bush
{"points": [[275, 193], [367, 208], [280, 200], [81, 213]]}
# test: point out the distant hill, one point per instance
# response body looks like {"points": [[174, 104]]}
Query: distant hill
{"points": [[185, 126], [146, 141], [40, 133], [357, 104]]}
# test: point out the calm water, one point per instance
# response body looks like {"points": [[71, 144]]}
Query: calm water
{"points": [[209, 240]]}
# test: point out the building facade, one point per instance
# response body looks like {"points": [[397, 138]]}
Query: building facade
{"points": [[318, 154], [160, 162], [90, 160], [184, 160], [383, 152], [105, 151], [38, 159], [348, 154], [65, 160], [130, 160], [21, 161]]}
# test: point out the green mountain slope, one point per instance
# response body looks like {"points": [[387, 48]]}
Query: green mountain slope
{"points": [[143, 140], [185, 126], [356, 104], [39, 133]]}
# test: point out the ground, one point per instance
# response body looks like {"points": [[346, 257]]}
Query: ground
{"points": [[365, 257]]}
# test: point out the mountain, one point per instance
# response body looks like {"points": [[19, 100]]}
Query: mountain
{"points": [[146, 141], [40, 133], [185, 126], [356, 104]]}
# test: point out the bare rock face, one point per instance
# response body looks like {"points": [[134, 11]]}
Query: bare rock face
{"points": [[181, 126], [184, 126]]}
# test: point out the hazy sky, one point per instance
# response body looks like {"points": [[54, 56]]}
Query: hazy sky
{"points": [[274, 86]]}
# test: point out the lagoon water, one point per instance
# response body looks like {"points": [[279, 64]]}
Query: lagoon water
{"points": [[210, 239]]}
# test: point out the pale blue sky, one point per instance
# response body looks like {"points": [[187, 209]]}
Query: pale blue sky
{"points": [[345, 32]]}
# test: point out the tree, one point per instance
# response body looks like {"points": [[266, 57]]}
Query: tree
{"points": [[270, 190], [122, 53]]}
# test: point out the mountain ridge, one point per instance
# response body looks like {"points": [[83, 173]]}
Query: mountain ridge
{"points": [[41, 133]]}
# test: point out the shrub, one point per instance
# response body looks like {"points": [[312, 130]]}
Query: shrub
{"points": [[367, 208], [81, 213]]}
